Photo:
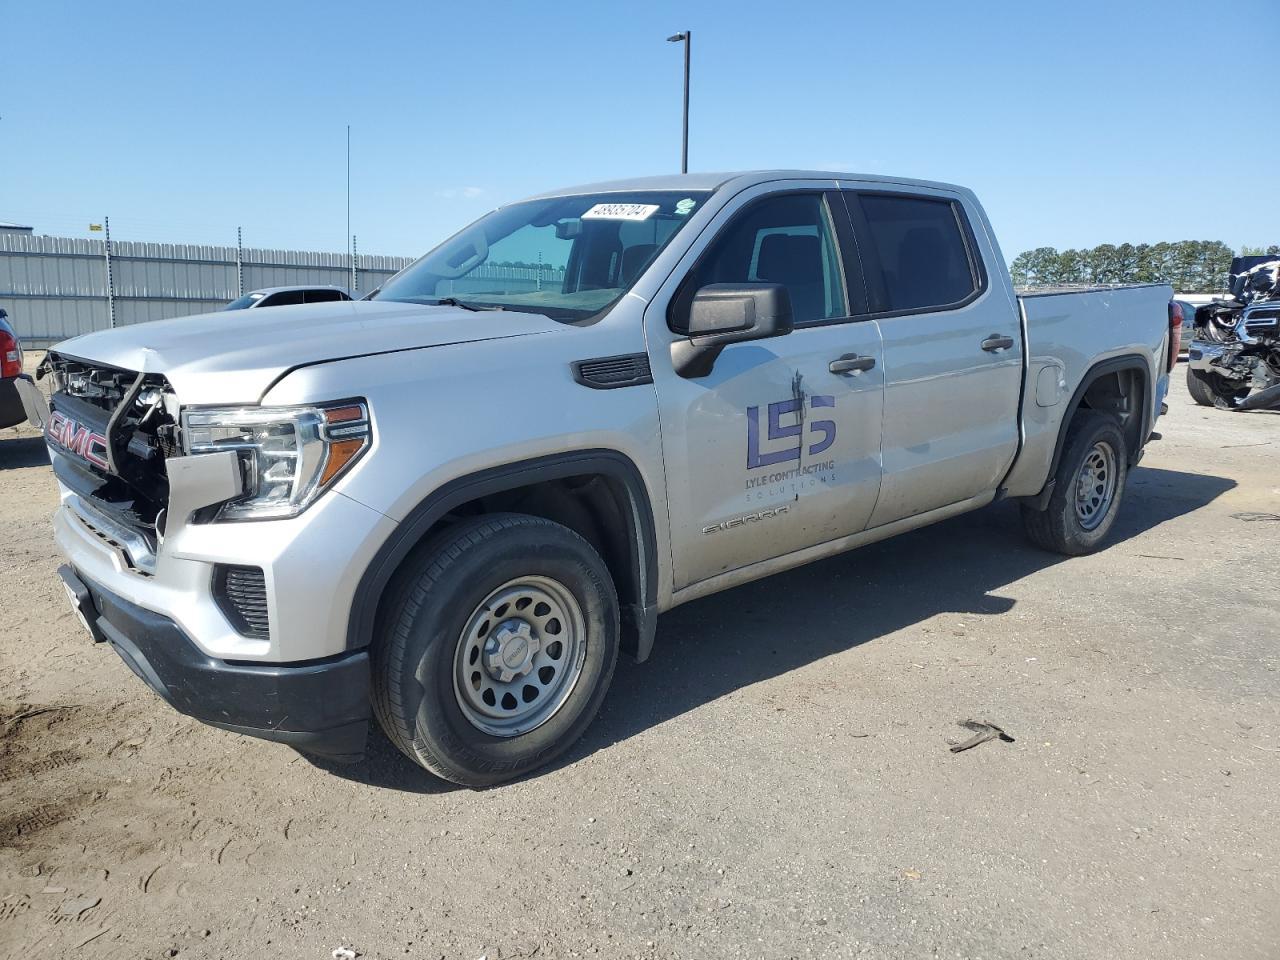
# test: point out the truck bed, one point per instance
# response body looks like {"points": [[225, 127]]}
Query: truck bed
{"points": [[1067, 331]]}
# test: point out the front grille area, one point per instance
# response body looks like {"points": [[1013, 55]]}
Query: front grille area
{"points": [[110, 431], [1262, 323], [241, 595]]}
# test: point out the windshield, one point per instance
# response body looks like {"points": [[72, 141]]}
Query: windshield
{"points": [[242, 303], [568, 258]]}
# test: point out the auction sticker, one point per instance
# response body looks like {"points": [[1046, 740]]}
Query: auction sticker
{"points": [[621, 211]]}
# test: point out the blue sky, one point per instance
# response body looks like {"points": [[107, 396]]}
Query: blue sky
{"points": [[1076, 122]]}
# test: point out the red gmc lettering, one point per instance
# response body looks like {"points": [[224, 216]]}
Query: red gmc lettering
{"points": [[78, 439]]}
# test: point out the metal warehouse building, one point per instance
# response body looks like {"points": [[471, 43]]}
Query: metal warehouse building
{"points": [[57, 287]]}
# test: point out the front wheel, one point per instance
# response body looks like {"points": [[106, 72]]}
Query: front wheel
{"points": [[1088, 486], [495, 649], [1212, 390]]}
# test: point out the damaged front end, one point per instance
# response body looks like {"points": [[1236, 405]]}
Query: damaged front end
{"points": [[1234, 358], [114, 443], [109, 433]]}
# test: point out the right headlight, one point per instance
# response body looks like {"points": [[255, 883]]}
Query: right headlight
{"points": [[288, 455]]}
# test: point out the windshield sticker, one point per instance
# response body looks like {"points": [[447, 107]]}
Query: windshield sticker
{"points": [[621, 211], [685, 207]]}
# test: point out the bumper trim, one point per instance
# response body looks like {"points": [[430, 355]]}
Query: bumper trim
{"points": [[1202, 355], [34, 405], [318, 706]]}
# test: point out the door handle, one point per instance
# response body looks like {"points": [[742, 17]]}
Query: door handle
{"points": [[851, 363], [995, 343]]}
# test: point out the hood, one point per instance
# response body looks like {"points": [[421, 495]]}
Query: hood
{"points": [[236, 355]]}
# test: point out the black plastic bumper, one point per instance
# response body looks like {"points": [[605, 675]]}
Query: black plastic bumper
{"points": [[319, 707]]}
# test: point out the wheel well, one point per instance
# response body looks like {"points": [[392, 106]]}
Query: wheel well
{"points": [[600, 497], [1118, 387], [591, 505], [1123, 394]]}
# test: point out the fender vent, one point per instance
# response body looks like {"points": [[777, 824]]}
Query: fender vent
{"points": [[609, 373], [241, 595]]}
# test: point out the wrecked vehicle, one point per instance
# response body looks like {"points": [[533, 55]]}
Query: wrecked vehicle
{"points": [[1234, 359], [449, 507]]}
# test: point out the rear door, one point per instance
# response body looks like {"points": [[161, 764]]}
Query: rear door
{"points": [[952, 350]]}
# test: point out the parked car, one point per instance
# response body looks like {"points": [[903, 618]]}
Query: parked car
{"points": [[1188, 325], [287, 296], [12, 411], [451, 506]]}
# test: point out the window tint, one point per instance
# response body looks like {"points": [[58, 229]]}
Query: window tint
{"points": [[786, 240], [324, 296], [283, 299], [923, 258]]}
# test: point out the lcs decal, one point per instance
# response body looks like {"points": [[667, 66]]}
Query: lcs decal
{"points": [[823, 430]]}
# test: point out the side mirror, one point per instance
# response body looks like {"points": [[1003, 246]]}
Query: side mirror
{"points": [[725, 313]]}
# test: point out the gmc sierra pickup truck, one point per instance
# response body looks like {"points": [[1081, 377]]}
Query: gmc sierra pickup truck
{"points": [[451, 506]]}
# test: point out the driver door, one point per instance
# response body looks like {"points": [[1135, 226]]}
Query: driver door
{"points": [[777, 448]]}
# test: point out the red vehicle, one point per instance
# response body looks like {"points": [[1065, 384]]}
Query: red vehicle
{"points": [[11, 409]]}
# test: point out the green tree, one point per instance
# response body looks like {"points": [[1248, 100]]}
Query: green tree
{"points": [[1147, 266], [1101, 262], [1215, 266], [1126, 263], [1189, 266], [1042, 266], [1073, 267], [1020, 269]]}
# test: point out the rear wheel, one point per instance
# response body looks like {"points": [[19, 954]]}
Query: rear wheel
{"points": [[1212, 390], [496, 648], [1088, 486]]}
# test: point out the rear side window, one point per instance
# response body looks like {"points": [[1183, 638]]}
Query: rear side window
{"points": [[787, 239], [922, 250], [284, 298], [324, 296]]}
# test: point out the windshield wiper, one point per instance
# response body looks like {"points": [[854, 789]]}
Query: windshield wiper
{"points": [[455, 302]]}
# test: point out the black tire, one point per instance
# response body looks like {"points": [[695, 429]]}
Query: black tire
{"points": [[1058, 527], [431, 601], [1211, 390]]}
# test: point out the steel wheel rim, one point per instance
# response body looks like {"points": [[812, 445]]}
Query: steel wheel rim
{"points": [[1096, 485], [519, 656]]}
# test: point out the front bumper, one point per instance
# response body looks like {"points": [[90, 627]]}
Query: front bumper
{"points": [[311, 566], [320, 707], [1204, 356]]}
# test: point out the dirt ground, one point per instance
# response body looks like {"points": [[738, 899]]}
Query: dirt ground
{"points": [[776, 782]]}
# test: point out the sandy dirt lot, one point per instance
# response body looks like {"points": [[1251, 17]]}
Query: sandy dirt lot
{"points": [[776, 782]]}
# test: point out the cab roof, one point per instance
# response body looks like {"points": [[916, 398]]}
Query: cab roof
{"points": [[737, 180]]}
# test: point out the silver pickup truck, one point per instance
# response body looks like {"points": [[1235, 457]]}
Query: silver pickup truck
{"points": [[452, 505]]}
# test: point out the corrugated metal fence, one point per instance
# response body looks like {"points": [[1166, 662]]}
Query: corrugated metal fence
{"points": [[56, 287]]}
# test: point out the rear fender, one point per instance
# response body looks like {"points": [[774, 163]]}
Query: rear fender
{"points": [[1144, 422]]}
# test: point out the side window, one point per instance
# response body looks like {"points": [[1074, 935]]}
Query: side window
{"points": [[324, 296], [923, 256], [785, 239], [284, 298]]}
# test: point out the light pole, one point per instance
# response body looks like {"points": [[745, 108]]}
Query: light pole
{"points": [[687, 39]]}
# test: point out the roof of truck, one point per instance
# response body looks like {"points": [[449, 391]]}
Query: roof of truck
{"points": [[740, 179]]}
